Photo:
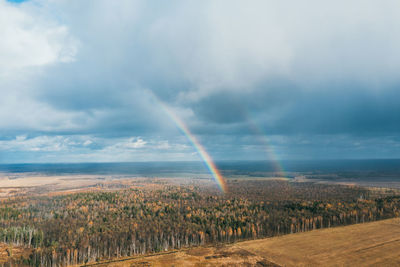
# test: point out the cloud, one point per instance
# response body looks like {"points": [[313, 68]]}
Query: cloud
{"points": [[29, 40], [39, 143], [133, 143], [231, 70], [87, 142]]}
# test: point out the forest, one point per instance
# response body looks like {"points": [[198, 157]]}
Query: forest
{"points": [[77, 228]]}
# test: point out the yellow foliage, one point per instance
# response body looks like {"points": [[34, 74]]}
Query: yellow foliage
{"points": [[84, 209]]}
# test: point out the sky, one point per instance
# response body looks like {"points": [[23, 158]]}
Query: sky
{"points": [[86, 81]]}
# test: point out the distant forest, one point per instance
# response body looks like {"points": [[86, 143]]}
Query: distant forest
{"points": [[76, 228]]}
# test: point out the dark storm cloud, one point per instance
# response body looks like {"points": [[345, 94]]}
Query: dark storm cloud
{"points": [[220, 108], [342, 108]]}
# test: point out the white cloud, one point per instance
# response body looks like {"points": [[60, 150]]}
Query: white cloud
{"points": [[31, 40], [39, 143], [164, 145], [134, 143], [28, 39], [87, 143]]}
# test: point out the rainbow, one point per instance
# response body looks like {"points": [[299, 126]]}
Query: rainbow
{"points": [[263, 139], [201, 150]]}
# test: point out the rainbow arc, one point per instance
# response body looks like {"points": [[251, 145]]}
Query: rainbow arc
{"points": [[199, 147]]}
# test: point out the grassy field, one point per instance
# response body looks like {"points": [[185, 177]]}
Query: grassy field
{"points": [[376, 243]]}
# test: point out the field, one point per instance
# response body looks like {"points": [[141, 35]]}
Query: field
{"points": [[374, 243]]}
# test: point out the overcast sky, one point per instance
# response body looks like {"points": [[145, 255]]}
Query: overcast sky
{"points": [[83, 80]]}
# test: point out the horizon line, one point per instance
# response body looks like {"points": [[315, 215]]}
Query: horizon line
{"points": [[200, 161]]}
